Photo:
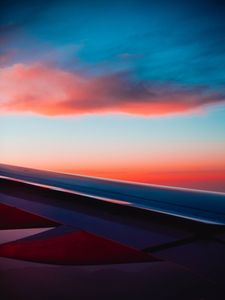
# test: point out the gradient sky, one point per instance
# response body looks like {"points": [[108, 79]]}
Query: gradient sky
{"points": [[132, 90]]}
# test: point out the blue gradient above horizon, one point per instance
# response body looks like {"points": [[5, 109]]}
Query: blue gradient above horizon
{"points": [[162, 50]]}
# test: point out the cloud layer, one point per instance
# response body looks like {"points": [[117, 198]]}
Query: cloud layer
{"points": [[41, 89]]}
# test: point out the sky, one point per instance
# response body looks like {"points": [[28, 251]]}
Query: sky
{"points": [[131, 90]]}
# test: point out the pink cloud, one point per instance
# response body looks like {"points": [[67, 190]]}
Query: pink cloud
{"points": [[6, 56], [50, 91]]}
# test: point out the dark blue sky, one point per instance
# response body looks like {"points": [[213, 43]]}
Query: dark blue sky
{"points": [[124, 89], [181, 42]]}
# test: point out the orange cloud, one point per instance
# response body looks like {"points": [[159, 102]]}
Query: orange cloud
{"points": [[50, 91]]}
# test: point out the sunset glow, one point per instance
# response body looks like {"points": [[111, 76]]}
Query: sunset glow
{"points": [[132, 93]]}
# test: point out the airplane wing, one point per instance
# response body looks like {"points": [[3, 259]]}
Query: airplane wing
{"points": [[65, 235]]}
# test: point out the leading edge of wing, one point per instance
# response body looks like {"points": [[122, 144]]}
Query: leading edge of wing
{"points": [[201, 206]]}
